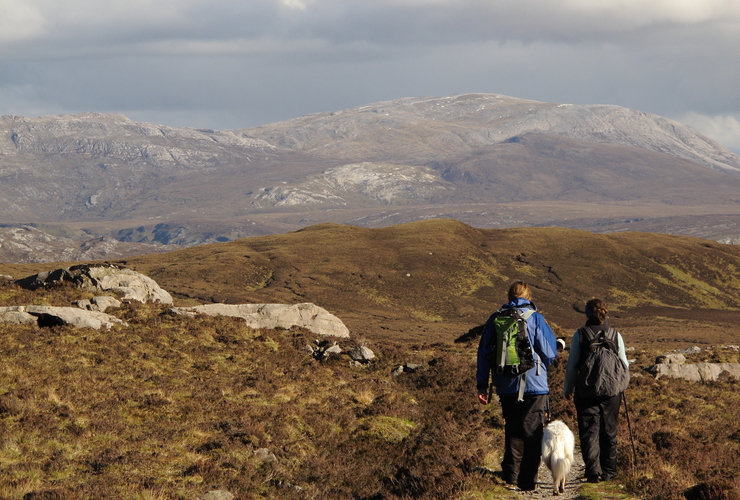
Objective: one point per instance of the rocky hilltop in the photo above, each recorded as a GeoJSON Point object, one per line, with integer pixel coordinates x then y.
{"type": "Point", "coordinates": [427, 129]}
{"type": "Point", "coordinates": [485, 159]}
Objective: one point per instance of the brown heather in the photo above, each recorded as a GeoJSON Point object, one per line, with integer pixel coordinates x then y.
{"type": "Point", "coordinates": [171, 407]}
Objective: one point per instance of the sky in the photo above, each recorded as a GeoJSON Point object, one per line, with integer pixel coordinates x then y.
{"type": "Point", "coordinates": [227, 64]}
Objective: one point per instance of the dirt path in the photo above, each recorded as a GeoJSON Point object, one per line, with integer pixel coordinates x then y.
{"type": "Point", "coordinates": [544, 481]}
{"type": "Point", "coordinates": [572, 485]}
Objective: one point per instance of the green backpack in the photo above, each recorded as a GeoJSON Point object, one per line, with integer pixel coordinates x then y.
{"type": "Point", "coordinates": [513, 354]}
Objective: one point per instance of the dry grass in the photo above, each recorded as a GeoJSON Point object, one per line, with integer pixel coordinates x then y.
{"type": "Point", "coordinates": [171, 407]}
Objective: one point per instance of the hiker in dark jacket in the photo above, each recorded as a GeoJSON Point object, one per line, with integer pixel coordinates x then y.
{"type": "Point", "coordinates": [597, 417]}
{"type": "Point", "coordinates": [524, 420]}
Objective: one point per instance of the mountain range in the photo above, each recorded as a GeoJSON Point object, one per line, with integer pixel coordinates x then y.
{"type": "Point", "coordinates": [103, 181]}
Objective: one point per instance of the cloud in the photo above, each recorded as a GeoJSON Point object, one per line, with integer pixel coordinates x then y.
{"type": "Point", "coordinates": [296, 4]}
{"type": "Point", "coordinates": [109, 23]}
{"type": "Point", "coordinates": [642, 13]}
{"type": "Point", "coordinates": [19, 20]}
{"type": "Point", "coordinates": [724, 129]}
{"type": "Point", "coordinates": [237, 63]}
{"type": "Point", "coordinates": [233, 47]}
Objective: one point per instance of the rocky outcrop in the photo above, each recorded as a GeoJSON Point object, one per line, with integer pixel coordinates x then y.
{"type": "Point", "coordinates": [99, 278]}
{"type": "Point", "coordinates": [270, 316]}
{"type": "Point", "coordinates": [361, 354]}
{"type": "Point", "coordinates": [323, 349]}
{"type": "Point", "coordinates": [216, 495]}
{"type": "Point", "coordinates": [264, 455]}
{"type": "Point", "coordinates": [100, 304]}
{"type": "Point", "coordinates": [18, 315]}
{"type": "Point", "coordinates": [698, 372]}
{"type": "Point", "coordinates": [674, 358]}
{"type": "Point", "coordinates": [26, 243]}
{"type": "Point", "coordinates": [429, 127]}
{"type": "Point", "coordinates": [407, 368]}
{"type": "Point", "coordinates": [57, 316]}
{"type": "Point", "coordinates": [673, 365]}
{"type": "Point", "coordinates": [381, 182]}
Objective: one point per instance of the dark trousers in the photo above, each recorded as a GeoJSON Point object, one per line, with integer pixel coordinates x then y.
{"type": "Point", "coordinates": [523, 428]}
{"type": "Point", "coordinates": [597, 429]}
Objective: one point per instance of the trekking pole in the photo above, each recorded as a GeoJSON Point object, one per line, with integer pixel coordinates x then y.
{"type": "Point", "coordinates": [632, 437]}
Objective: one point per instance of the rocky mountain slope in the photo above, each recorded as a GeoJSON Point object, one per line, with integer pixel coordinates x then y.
{"type": "Point", "coordinates": [424, 129]}
{"type": "Point", "coordinates": [486, 159]}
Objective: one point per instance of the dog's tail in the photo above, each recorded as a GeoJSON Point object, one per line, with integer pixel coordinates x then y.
{"type": "Point", "coordinates": [560, 466]}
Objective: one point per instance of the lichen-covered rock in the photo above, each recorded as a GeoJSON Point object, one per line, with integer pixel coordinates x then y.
{"type": "Point", "coordinates": [265, 455]}
{"type": "Point", "coordinates": [17, 314]}
{"type": "Point", "coordinates": [53, 316]}
{"type": "Point", "coordinates": [100, 304]}
{"type": "Point", "coordinates": [690, 350]}
{"type": "Point", "coordinates": [699, 372]}
{"type": "Point", "coordinates": [269, 316]}
{"type": "Point", "coordinates": [361, 353]}
{"type": "Point", "coordinates": [674, 358]}
{"type": "Point", "coordinates": [99, 278]}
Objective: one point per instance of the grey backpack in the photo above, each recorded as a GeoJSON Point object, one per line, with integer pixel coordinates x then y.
{"type": "Point", "coordinates": [602, 374]}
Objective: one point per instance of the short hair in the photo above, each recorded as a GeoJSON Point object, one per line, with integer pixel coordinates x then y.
{"type": "Point", "coordinates": [596, 308]}
{"type": "Point", "coordinates": [519, 289]}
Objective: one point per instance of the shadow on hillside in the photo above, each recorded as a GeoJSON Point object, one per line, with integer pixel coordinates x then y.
{"type": "Point", "coordinates": [471, 335]}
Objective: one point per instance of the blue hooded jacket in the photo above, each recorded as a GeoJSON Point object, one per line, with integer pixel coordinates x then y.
{"type": "Point", "coordinates": [543, 342]}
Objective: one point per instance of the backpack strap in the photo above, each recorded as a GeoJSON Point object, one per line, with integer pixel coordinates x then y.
{"type": "Point", "coordinates": [588, 334]}
{"type": "Point", "coordinates": [524, 316]}
{"type": "Point", "coordinates": [529, 312]}
{"type": "Point", "coordinates": [611, 334]}
{"type": "Point", "coordinates": [522, 386]}
{"type": "Point", "coordinates": [523, 377]}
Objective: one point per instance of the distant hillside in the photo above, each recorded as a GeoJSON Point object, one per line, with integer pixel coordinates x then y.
{"type": "Point", "coordinates": [437, 279]}
{"type": "Point", "coordinates": [489, 160]}
{"type": "Point", "coordinates": [422, 129]}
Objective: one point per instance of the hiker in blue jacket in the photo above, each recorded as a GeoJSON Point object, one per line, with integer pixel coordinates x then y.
{"type": "Point", "coordinates": [523, 406]}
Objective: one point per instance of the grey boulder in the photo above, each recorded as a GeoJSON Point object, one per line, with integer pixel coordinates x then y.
{"type": "Point", "coordinates": [100, 304]}
{"type": "Point", "coordinates": [270, 316]}
{"type": "Point", "coordinates": [52, 316]}
{"type": "Point", "coordinates": [99, 278]}
{"type": "Point", "coordinates": [699, 372]}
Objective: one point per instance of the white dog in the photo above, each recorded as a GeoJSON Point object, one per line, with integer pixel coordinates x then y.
{"type": "Point", "coordinates": [558, 443]}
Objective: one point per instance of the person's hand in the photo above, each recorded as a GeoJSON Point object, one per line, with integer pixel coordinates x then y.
{"type": "Point", "coordinates": [483, 399]}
